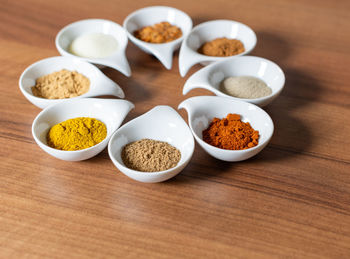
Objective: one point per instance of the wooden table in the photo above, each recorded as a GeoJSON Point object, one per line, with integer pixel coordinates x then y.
{"type": "Point", "coordinates": [290, 201]}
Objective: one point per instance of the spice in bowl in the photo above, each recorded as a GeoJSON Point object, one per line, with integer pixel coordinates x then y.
{"type": "Point", "coordinates": [76, 134]}
{"type": "Point", "coordinates": [231, 133]}
{"type": "Point", "coordinates": [60, 85]}
{"type": "Point", "coordinates": [247, 87]}
{"type": "Point", "coordinates": [148, 155]}
{"type": "Point", "coordinates": [94, 45]}
{"type": "Point", "coordinates": [222, 47]}
{"type": "Point", "coordinates": [158, 33]}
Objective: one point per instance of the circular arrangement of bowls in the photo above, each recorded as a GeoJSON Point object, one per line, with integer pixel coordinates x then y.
{"type": "Point", "coordinates": [161, 123]}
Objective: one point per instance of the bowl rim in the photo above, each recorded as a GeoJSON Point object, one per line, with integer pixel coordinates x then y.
{"type": "Point", "coordinates": [216, 65]}
{"type": "Point", "coordinates": [203, 24]}
{"type": "Point", "coordinates": [49, 59]}
{"type": "Point", "coordinates": [51, 107]}
{"type": "Point", "coordinates": [170, 43]}
{"type": "Point", "coordinates": [121, 47]}
{"type": "Point", "coordinates": [260, 144]}
{"type": "Point", "coordinates": [178, 165]}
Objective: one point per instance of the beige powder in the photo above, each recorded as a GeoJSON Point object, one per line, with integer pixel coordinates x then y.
{"type": "Point", "coordinates": [61, 84]}
{"type": "Point", "coordinates": [247, 87]}
{"type": "Point", "coordinates": [149, 155]}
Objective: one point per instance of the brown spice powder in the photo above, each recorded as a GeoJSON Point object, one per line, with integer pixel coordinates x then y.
{"type": "Point", "coordinates": [222, 47]}
{"type": "Point", "coordinates": [147, 155]}
{"type": "Point", "coordinates": [159, 33]}
{"type": "Point", "coordinates": [60, 85]}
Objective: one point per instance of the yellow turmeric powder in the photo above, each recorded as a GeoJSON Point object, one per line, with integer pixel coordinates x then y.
{"type": "Point", "coordinates": [76, 134]}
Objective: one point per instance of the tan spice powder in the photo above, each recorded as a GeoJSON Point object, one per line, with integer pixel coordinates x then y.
{"type": "Point", "coordinates": [60, 85]}
{"type": "Point", "coordinates": [147, 155]}
{"type": "Point", "coordinates": [222, 47]}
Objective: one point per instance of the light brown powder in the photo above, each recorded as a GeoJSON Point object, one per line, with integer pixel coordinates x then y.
{"type": "Point", "coordinates": [222, 47]}
{"type": "Point", "coordinates": [159, 33]}
{"type": "Point", "coordinates": [60, 85]}
{"type": "Point", "coordinates": [149, 155]}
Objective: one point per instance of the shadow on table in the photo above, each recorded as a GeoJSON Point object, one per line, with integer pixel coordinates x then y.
{"type": "Point", "coordinates": [271, 46]}
{"type": "Point", "coordinates": [302, 86]}
{"type": "Point", "coordinates": [202, 166]}
{"type": "Point", "coordinates": [292, 133]}
{"type": "Point", "coordinates": [130, 86]}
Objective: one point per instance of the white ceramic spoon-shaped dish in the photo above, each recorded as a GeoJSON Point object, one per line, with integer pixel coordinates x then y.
{"type": "Point", "coordinates": [110, 112]}
{"type": "Point", "coordinates": [99, 83]}
{"type": "Point", "coordinates": [117, 60]}
{"type": "Point", "coordinates": [202, 109]}
{"type": "Point", "coordinates": [150, 16]}
{"type": "Point", "coordinates": [210, 77]}
{"type": "Point", "coordinates": [161, 123]}
{"type": "Point", "coordinates": [209, 31]}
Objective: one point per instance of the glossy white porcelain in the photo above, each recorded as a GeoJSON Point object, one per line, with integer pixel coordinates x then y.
{"type": "Point", "coordinates": [117, 60]}
{"type": "Point", "coordinates": [111, 112]}
{"type": "Point", "coordinates": [211, 76]}
{"type": "Point", "coordinates": [99, 83]}
{"type": "Point", "coordinates": [202, 109]}
{"type": "Point", "coordinates": [209, 31]}
{"type": "Point", "coordinates": [150, 16]}
{"type": "Point", "coordinates": [161, 123]}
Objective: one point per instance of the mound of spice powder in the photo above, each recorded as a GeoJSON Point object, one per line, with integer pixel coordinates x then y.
{"type": "Point", "coordinates": [76, 134]}
{"type": "Point", "coordinates": [222, 47]}
{"type": "Point", "coordinates": [148, 155]}
{"type": "Point", "coordinates": [159, 33]}
{"type": "Point", "coordinates": [60, 85]}
{"type": "Point", "coordinates": [231, 133]}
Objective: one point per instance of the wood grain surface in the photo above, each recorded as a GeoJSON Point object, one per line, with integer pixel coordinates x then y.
{"type": "Point", "coordinates": [290, 201]}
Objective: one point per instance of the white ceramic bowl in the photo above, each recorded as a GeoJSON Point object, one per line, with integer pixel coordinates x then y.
{"type": "Point", "coordinates": [161, 123]}
{"type": "Point", "coordinates": [99, 83]}
{"type": "Point", "coordinates": [209, 31]}
{"type": "Point", "coordinates": [202, 109]}
{"type": "Point", "coordinates": [111, 112]}
{"type": "Point", "coordinates": [117, 60]}
{"type": "Point", "coordinates": [150, 16]}
{"type": "Point", "coordinates": [211, 76]}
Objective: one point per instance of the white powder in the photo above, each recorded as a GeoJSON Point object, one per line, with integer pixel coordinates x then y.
{"type": "Point", "coordinates": [247, 87]}
{"type": "Point", "coordinates": [94, 45]}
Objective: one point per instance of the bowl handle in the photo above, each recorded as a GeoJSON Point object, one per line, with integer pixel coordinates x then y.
{"type": "Point", "coordinates": [187, 59]}
{"type": "Point", "coordinates": [106, 86]}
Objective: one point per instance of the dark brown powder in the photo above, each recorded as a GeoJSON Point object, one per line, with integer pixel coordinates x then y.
{"type": "Point", "coordinates": [149, 155]}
